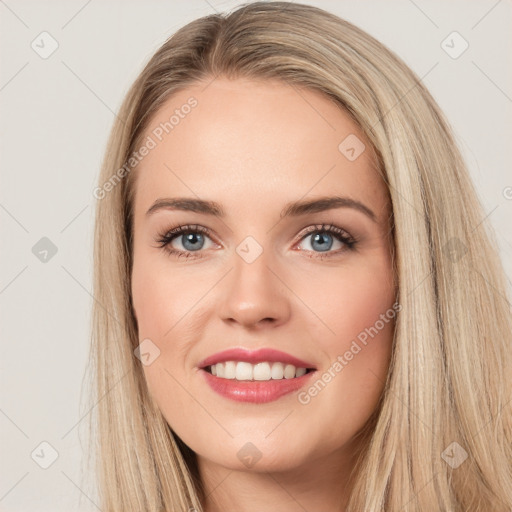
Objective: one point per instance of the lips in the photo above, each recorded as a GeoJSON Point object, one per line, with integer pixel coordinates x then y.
{"type": "Point", "coordinates": [255, 356]}
{"type": "Point", "coordinates": [255, 391]}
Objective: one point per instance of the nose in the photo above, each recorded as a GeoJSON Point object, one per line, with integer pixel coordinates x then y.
{"type": "Point", "coordinates": [254, 294]}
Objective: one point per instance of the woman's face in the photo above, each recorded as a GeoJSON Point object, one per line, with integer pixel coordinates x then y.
{"type": "Point", "coordinates": [268, 275]}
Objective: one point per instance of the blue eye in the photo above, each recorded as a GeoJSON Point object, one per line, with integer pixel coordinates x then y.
{"type": "Point", "coordinates": [193, 239]}
{"type": "Point", "coordinates": [322, 236]}
{"type": "Point", "coordinates": [324, 239]}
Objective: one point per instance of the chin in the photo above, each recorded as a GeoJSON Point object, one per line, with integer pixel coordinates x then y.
{"type": "Point", "coordinates": [259, 456]}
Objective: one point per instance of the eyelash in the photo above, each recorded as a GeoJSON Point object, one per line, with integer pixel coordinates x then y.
{"type": "Point", "coordinates": [164, 239]}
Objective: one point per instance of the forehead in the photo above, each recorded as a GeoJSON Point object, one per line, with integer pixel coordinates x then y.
{"type": "Point", "coordinates": [247, 143]}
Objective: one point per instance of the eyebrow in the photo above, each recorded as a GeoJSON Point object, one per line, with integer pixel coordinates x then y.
{"type": "Point", "coordinates": [293, 209]}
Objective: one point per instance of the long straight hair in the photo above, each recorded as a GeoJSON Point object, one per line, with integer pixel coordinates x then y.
{"type": "Point", "coordinates": [442, 438]}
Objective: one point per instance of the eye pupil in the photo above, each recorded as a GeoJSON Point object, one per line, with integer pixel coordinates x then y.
{"type": "Point", "coordinates": [320, 238]}
{"type": "Point", "coordinates": [192, 238]}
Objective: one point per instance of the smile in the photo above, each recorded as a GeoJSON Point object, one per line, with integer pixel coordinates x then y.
{"type": "Point", "coordinates": [243, 371]}
{"type": "Point", "coordinates": [259, 376]}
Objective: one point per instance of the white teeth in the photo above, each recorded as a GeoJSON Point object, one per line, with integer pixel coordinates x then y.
{"type": "Point", "coordinates": [229, 370]}
{"type": "Point", "coordinates": [277, 371]}
{"type": "Point", "coordinates": [242, 370]}
{"type": "Point", "coordinates": [261, 371]}
{"type": "Point", "coordinates": [289, 371]}
{"type": "Point", "coordinates": [300, 372]}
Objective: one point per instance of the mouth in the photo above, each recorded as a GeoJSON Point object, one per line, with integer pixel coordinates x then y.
{"type": "Point", "coordinates": [258, 376]}
{"type": "Point", "coordinates": [263, 371]}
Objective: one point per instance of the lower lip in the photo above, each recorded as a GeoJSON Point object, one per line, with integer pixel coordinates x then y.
{"type": "Point", "coordinates": [258, 391]}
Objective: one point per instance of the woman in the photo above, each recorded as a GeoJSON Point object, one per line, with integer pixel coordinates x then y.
{"type": "Point", "coordinates": [240, 368]}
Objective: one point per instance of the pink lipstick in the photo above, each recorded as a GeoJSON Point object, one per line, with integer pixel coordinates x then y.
{"type": "Point", "coordinates": [257, 376]}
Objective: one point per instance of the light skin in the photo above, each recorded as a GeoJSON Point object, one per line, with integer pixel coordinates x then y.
{"type": "Point", "coordinates": [253, 147]}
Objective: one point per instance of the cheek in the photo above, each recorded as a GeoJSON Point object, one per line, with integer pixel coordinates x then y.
{"type": "Point", "coordinates": [357, 347]}
{"type": "Point", "coordinates": [347, 393]}
{"type": "Point", "coordinates": [160, 297]}
{"type": "Point", "coordinates": [167, 314]}
{"type": "Point", "coordinates": [350, 300]}
{"type": "Point", "coordinates": [359, 308]}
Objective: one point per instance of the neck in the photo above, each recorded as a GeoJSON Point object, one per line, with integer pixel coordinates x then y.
{"type": "Point", "coordinates": [323, 483]}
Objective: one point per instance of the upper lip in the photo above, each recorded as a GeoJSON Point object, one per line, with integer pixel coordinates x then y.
{"type": "Point", "coordinates": [254, 356]}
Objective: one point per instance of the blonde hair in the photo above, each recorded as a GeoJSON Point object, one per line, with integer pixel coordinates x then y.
{"type": "Point", "coordinates": [449, 378]}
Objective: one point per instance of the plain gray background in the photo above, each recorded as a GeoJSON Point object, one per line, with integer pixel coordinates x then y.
{"type": "Point", "coordinates": [56, 114]}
